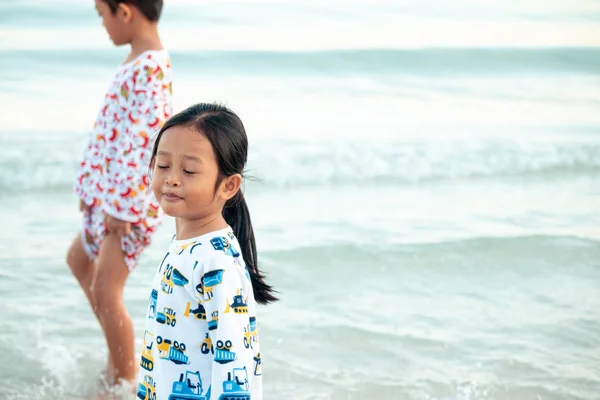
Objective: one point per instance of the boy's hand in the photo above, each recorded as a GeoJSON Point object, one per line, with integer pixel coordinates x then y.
{"type": "Point", "coordinates": [84, 207]}
{"type": "Point", "coordinates": [116, 226]}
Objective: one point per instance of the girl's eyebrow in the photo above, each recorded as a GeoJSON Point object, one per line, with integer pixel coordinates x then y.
{"type": "Point", "coordinates": [193, 158]}
{"type": "Point", "coordinates": [189, 157]}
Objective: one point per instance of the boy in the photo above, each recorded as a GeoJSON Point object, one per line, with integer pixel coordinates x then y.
{"type": "Point", "coordinates": [119, 212]}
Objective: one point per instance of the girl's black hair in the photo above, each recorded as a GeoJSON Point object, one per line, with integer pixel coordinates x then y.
{"type": "Point", "coordinates": [225, 132]}
{"type": "Point", "coordinates": [151, 9]}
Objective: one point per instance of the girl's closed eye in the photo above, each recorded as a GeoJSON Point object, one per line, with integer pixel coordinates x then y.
{"type": "Point", "coordinates": [162, 166]}
{"type": "Point", "coordinates": [189, 172]}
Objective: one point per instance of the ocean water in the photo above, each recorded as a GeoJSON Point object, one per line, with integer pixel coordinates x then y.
{"type": "Point", "coordinates": [426, 199]}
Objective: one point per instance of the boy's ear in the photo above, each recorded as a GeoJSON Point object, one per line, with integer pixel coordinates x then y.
{"type": "Point", "coordinates": [230, 186]}
{"type": "Point", "coordinates": [125, 12]}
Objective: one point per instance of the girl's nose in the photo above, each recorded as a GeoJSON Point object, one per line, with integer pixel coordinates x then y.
{"type": "Point", "coordinates": [173, 180]}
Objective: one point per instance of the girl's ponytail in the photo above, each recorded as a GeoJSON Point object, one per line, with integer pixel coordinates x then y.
{"type": "Point", "coordinates": [237, 215]}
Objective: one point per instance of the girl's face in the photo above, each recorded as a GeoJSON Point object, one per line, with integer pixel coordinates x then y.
{"type": "Point", "coordinates": [116, 24]}
{"type": "Point", "coordinates": [185, 173]}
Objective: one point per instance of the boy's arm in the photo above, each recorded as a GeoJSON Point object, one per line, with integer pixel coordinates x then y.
{"type": "Point", "coordinates": [145, 105]}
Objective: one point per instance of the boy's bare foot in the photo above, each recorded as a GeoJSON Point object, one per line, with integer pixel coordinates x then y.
{"type": "Point", "coordinates": [110, 374]}
{"type": "Point", "coordinates": [121, 390]}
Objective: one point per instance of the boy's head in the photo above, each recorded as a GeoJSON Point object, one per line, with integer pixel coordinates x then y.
{"type": "Point", "coordinates": [122, 19]}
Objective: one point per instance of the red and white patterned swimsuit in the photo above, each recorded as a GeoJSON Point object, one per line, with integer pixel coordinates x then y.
{"type": "Point", "coordinates": [113, 177]}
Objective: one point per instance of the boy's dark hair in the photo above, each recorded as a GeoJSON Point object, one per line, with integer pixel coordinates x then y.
{"type": "Point", "coordinates": [227, 136]}
{"type": "Point", "coordinates": [150, 8]}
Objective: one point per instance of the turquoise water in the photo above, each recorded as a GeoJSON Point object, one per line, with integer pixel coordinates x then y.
{"type": "Point", "coordinates": [426, 195]}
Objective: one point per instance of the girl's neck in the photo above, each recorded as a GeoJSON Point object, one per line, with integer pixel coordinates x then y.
{"type": "Point", "coordinates": [189, 228]}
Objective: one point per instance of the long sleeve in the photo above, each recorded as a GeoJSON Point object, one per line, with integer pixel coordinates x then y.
{"type": "Point", "coordinates": [144, 106]}
{"type": "Point", "coordinates": [225, 302]}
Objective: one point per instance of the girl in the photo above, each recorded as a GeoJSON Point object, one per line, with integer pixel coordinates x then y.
{"type": "Point", "coordinates": [201, 334]}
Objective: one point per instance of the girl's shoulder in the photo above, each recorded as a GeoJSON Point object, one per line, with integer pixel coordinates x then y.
{"type": "Point", "coordinates": [207, 246]}
{"type": "Point", "coordinates": [207, 258]}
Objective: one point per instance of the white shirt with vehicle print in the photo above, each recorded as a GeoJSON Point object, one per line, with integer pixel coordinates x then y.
{"type": "Point", "coordinates": [201, 337]}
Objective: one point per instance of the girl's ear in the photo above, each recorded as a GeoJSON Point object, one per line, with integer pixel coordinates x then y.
{"type": "Point", "coordinates": [230, 186]}
{"type": "Point", "coordinates": [125, 12]}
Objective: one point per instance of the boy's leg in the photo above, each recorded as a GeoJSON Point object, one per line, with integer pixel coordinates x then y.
{"type": "Point", "coordinates": [84, 271]}
{"type": "Point", "coordinates": [82, 268]}
{"type": "Point", "coordinates": [107, 288]}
